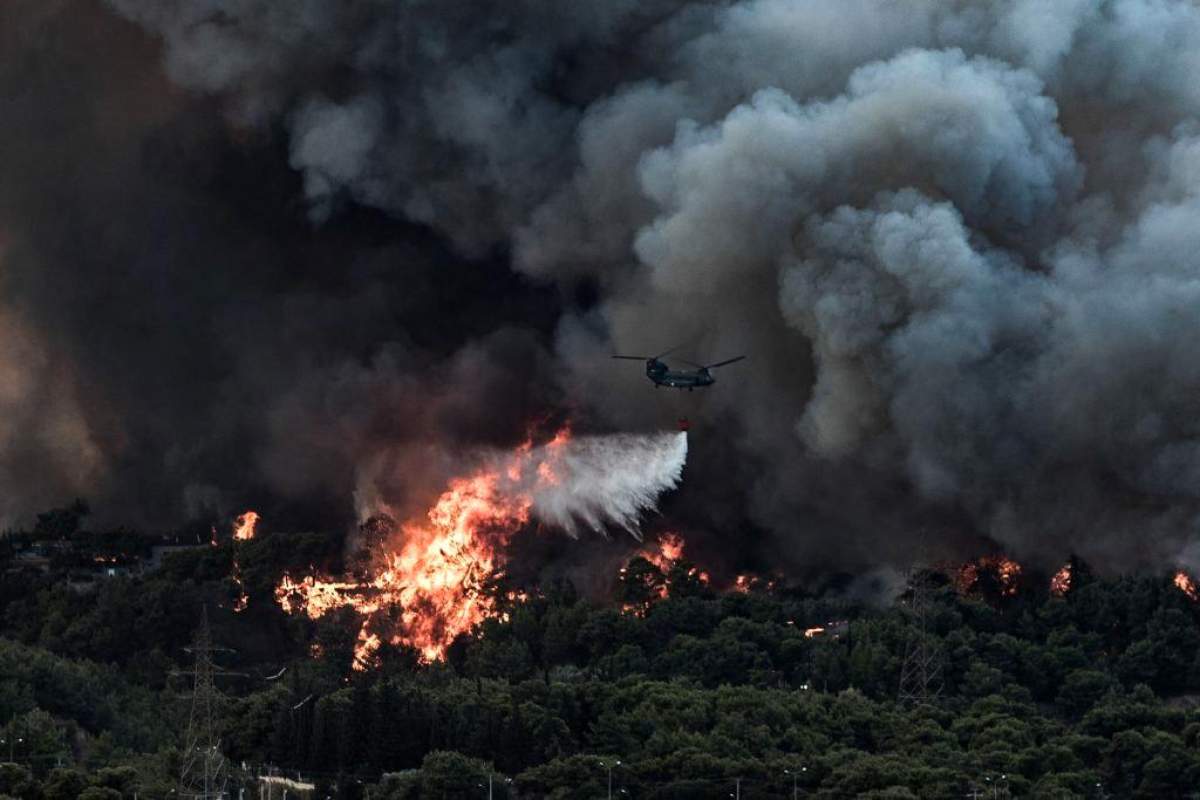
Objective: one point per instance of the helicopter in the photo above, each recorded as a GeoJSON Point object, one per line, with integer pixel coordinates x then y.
{"type": "Point", "coordinates": [690, 379]}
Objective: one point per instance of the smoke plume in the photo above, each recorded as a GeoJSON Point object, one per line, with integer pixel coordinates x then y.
{"type": "Point", "coordinates": [265, 248]}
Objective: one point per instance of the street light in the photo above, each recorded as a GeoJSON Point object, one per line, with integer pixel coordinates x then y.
{"type": "Point", "coordinates": [995, 787]}
{"type": "Point", "coordinates": [609, 767]}
{"type": "Point", "coordinates": [795, 779]}
{"type": "Point", "coordinates": [480, 785]}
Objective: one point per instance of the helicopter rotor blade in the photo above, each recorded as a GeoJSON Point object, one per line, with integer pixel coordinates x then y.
{"type": "Point", "coordinates": [690, 363]}
{"type": "Point", "coordinates": [723, 363]}
{"type": "Point", "coordinates": [634, 358]}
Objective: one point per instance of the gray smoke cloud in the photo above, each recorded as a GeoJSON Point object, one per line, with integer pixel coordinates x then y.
{"type": "Point", "coordinates": [956, 239]}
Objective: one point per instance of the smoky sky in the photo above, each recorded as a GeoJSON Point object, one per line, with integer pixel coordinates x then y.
{"type": "Point", "coordinates": [249, 246]}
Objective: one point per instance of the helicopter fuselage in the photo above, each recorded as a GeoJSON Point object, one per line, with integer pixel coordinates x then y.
{"type": "Point", "coordinates": [661, 375]}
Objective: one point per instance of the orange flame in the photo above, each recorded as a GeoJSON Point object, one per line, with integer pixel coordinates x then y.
{"type": "Point", "coordinates": [746, 583]}
{"type": "Point", "coordinates": [1185, 584]}
{"type": "Point", "coordinates": [438, 577]}
{"type": "Point", "coordinates": [1006, 571]}
{"type": "Point", "coordinates": [669, 550]}
{"type": "Point", "coordinates": [664, 554]}
{"type": "Point", "coordinates": [244, 525]}
{"type": "Point", "coordinates": [1060, 584]}
{"type": "Point", "coordinates": [242, 601]}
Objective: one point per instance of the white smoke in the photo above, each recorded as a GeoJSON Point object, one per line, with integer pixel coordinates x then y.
{"type": "Point", "coordinates": [602, 481]}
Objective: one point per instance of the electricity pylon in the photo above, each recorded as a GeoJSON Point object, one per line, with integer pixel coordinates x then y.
{"type": "Point", "coordinates": [205, 772]}
{"type": "Point", "coordinates": [921, 672]}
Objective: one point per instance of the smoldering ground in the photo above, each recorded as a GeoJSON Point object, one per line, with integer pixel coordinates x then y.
{"type": "Point", "coordinates": [956, 238]}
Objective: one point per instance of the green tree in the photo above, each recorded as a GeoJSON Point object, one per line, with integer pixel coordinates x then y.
{"type": "Point", "coordinates": [64, 784]}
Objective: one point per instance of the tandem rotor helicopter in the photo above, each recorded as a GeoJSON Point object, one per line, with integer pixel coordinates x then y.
{"type": "Point", "coordinates": [690, 379]}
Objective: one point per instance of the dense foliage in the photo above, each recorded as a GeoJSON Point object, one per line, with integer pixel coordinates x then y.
{"type": "Point", "coordinates": [701, 694]}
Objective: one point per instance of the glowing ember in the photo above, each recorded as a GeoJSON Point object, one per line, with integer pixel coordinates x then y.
{"type": "Point", "coordinates": [241, 603]}
{"type": "Point", "coordinates": [1185, 584]}
{"type": "Point", "coordinates": [243, 526]}
{"type": "Point", "coordinates": [1060, 584]}
{"type": "Point", "coordinates": [744, 584]}
{"type": "Point", "coordinates": [438, 577]}
{"type": "Point", "coordinates": [833, 629]}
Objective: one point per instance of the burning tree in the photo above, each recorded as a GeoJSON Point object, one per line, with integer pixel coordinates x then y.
{"type": "Point", "coordinates": [995, 577]}
{"type": "Point", "coordinates": [431, 579]}
{"type": "Point", "coordinates": [657, 571]}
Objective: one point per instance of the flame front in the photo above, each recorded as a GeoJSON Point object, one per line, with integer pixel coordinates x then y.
{"type": "Point", "coordinates": [244, 525]}
{"type": "Point", "coordinates": [437, 578]}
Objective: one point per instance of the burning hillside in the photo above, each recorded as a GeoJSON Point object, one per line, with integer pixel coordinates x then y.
{"type": "Point", "coordinates": [989, 575]}
{"type": "Point", "coordinates": [431, 579]}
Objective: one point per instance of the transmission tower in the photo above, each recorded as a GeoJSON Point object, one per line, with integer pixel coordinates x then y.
{"type": "Point", "coordinates": [205, 772]}
{"type": "Point", "coordinates": [921, 672]}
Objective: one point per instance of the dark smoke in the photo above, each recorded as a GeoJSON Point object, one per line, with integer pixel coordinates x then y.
{"type": "Point", "coordinates": [180, 341]}
{"type": "Point", "coordinates": [252, 245]}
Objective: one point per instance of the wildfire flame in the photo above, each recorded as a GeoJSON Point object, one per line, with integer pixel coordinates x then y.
{"type": "Point", "coordinates": [438, 577]}
{"type": "Point", "coordinates": [1006, 571]}
{"type": "Point", "coordinates": [1185, 584]}
{"type": "Point", "coordinates": [664, 554]}
{"type": "Point", "coordinates": [1060, 584]}
{"type": "Point", "coordinates": [244, 525]}
{"type": "Point", "coordinates": [746, 583]}
{"type": "Point", "coordinates": [242, 601]}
